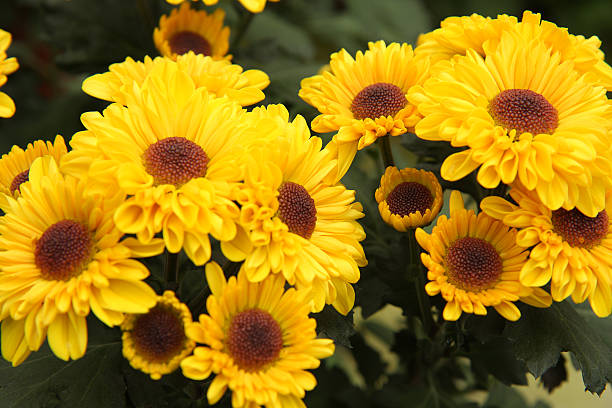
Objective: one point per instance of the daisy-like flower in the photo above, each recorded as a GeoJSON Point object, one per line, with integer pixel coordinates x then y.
{"type": "Point", "coordinates": [570, 250]}
{"type": "Point", "coordinates": [176, 151]}
{"type": "Point", "coordinates": [258, 340]}
{"type": "Point", "coordinates": [155, 342]}
{"type": "Point", "coordinates": [408, 198]}
{"type": "Point", "coordinates": [187, 30]}
{"type": "Point", "coordinates": [7, 66]}
{"type": "Point", "coordinates": [254, 6]}
{"type": "Point", "coordinates": [61, 257]}
{"type": "Point", "coordinates": [365, 98]}
{"type": "Point", "coordinates": [474, 262]}
{"type": "Point", "coordinates": [294, 218]}
{"type": "Point", "coordinates": [537, 123]}
{"type": "Point", "coordinates": [219, 77]}
{"type": "Point", "coordinates": [458, 34]}
{"type": "Point", "coordinates": [15, 166]}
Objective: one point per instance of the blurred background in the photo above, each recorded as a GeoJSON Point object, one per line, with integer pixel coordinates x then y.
{"type": "Point", "coordinates": [61, 42]}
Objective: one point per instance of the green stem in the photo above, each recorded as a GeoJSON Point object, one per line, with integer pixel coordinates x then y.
{"type": "Point", "coordinates": [385, 151]}
{"type": "Point", "coordinates": [171, 268]}
{"type": "Point", "coordinates": [245, 22]}
{"type": "Point", "coordinates": [419, 282]}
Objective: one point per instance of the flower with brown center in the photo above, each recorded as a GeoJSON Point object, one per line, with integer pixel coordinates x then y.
{"type": "Point", "coordinates": [7, 67]}
{"type": "Point", "coordinates": [186, 29]}
{"type": "Point", "coordinates": [295, 218]}
{"type": "Point", "coordinates": [408, 198]}
{"type": "Point", "coordinates": [15, 165]}
{"type": "Point", "coordinates": [365, 98]}
{"type": "Point", "coordinates": [257, 339]}
{"type": "Point", "coordinates": [473, 261]}
{"type": "Point", "coordinates": [62, 257]}
{"type": "Point", "coordinates": [155, 342]}
{"type": "Point", "coordinates": [570, 249]}
{"type": "Point", "coordinates": [538, 122]}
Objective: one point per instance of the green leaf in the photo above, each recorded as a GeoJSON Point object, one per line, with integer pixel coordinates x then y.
{"type": "Point", "coordinates": [368, 360]}
{"type": "Point", "coordinates": [540, 335]}
{"type": "Point", "coordinates": [502, 396]}
{"type": "Point", "coordinates": [92, 381]}
{"type": "Point", "coordinates": [335, 326]}
{"type": "Point", "coordinates": [495, 357]}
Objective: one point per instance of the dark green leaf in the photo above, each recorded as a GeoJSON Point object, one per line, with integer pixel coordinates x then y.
{"type": "Point", "coordinates": [335, 326]}
{"type": "Point", "coordinates": [496, 357]}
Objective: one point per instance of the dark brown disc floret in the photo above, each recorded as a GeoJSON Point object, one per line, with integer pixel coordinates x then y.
{"type": "Point", "coordinates": [380, 99]}
{"type": "Point", "coordinates": [175, 160]}
{"type": "Point", "coordinates": [254, 340]}
{"type": "Point", "coordinates": [296, 208]}
{"type": "Point", "coordinates": [19, 179]}
{"type": "Point", "coordinates": [159, 334]}
{"type": "Point", "coordinates": [409, 197]}
{"type": "Point", "coordinates": [473, 264]}
{"type": "Point", "coordinates": [577, 229]}
{"type": "Point", "coordinates": [525, 111]}
{"type": "Point", "coordinates": [185, 41]}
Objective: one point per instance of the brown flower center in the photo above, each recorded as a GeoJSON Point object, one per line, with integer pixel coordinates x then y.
{"type": "Point", "coordinates": [159, 334]}
{"type": "Point", "coordinates": [473, 264]}
{"type": "Point", "coordinates": [254, 340]}
{"type": "Point", "coordinates": [409, 197]}
{"type": "Point", "coordinates": [381, 99]}
{"type": "Point", "coordinates": [577, 229]}
{"type": "Point", "coordinates": [297, 209]}
{"type": "Point", "coordinates": [63, 250]}
{"type": "Point", "coordinates": [19, 179]}
{"type": "Point", "coordinates": [175, 160]}
{"type": "Point", "coordinates": [185, 41]}
{"type": "Point", "coordinates": [525, 111]}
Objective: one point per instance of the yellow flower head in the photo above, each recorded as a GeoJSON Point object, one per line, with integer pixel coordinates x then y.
{"type": "Point", "coordinates": [295, 218]}
{"type": "Point", "coordinates": [15, 166]}
{"type": "Point", "coordinates": [7, 66]}
{"type": "Point", "coordinates": [219, 77]}
{"type": "Point", "coordinates": [365, 98]}
{"type": "Point", "coordinates": [258, 340]}
{"type": "Point", "coordinates": [176, 151]}
{"type": "Point", "coordinates": [474, 262]}
{"type": "Point", "coordinates": [155, 342]}
{"type": "Point", "coordinates": [408, 198]}
{"type": "Point", "coordinates": [456, 35]}
{"type": "Point", "coordinates": [61, 257]}
{"type": "Point", "coordinates": [187, 30]}
{"type": "Point", "coordinates": [570, 250]}
{"type": "Point", "coordinates": [254, 6]}
{"type": "Point", "coordinates": [537, 123]}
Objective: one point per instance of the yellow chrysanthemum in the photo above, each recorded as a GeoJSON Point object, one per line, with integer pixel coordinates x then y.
{"type": "Point", "coordinates": [408, 198]}
{"type": "Point", "coordinates": [254, 6]}
{"type": "Point", "coordinates": [458, 34]}
{"type": "Point", "coordinates": [7, 66]}
{"type": "Point", "coordinates": [155, 342]}
{"type": "Point", "coordinates": [187, 30]}
{"type": "Point", "coordinates": [15, 165]}
{"type": "Point", "coordinates": [177, 152]}
{"type": "Point", "coordinates": [295, 219]}
{"type": "Point", "coordinates": [365, 98]}
{"type": "Point", "coordinates": [474, 262]}
{"type": "Point", "coordinates": [258, 340]}
{"type": "Point", "coordinates": [570, 250]}
{"type": "Point", "coordinates": [219, 77]}
{"type": "Point", "coordinates": [61, 257]}
{"type": "Point", "coordinates": [536, 122]}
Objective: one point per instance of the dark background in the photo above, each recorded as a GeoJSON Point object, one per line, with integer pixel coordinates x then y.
{"type": "Point", "coordinates": [61, 42]}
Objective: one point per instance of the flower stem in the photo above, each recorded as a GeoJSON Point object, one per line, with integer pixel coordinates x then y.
{"type": "Point", "coordinates": [419, 282]}
{"type": "Point", "coordinates": [385, 151]}
{"type": "Point", "coordinates": [171, 268]}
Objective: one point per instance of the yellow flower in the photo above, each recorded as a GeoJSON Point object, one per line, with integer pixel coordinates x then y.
{"type": "Point", "coordinates": [254, 6]}
{"type": "Point", "coordinates": [570, 250]}
{"type": "Point", "coordinates": [458, 34]}
{"type": "Point", "coordinates": [61, 257]}
{"type": "Point", "coordinates": [258, 340]}
{"type": "Point", "coordinates": [15, 165]}
{"type": "Point", "coordinates": [295, 219]}
{"type": "Point", "coordinates": [219, 77]}
{"type": "Point", "coordinates": [365, 98]}
{"type": "Point", "coordinates": [155, 342]}
{"type": "Point", "coordinates": [187, 30]}
{"type": "Point", "coordinates": [176, 151]}
{"type": "Point", "coordinates": [408, 198]}
{"type": "Point", "coordinates": [537, 123]}
{"type": "Point", "coordinates": [474, 262]}
{"type": "Point", "coordinates": [7, 66]}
